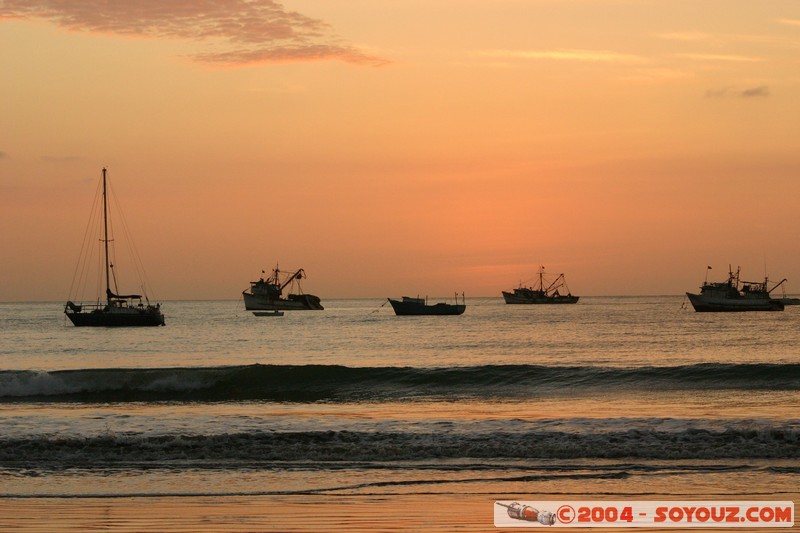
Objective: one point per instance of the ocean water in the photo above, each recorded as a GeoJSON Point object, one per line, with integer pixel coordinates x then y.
{"type": "Point", "coordinates": [631, 397]}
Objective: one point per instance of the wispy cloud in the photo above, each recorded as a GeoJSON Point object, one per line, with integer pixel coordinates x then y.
{"type": "Point", "coordinates": [718, 40]}
{"type": "Point", "coordinates": [566, 54]}
{"type": "Point", "coordinates": [689, 36]}
{"type": "Point", "coordinates": [761, 91]}
{"type": "Point", "coordinates": [655, 74]}
{"type": "Point", "coordinates": [756, 92]}
{"type": "Point", "coordinates": [236, 31]}
{"type": "Point", "coordinates": [60, 158]}
{"type": "Point", "coordinates": [718, 57]}
{"type": "Point", "coordinates": [790, 22]}
{"type": "Point", "coordinates": [302, 52]}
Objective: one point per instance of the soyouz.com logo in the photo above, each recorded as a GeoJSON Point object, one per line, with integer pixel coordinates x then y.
{"type": "Point", "coordinates": [643, 514]}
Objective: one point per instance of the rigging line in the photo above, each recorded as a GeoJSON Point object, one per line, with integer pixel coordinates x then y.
{"type": "Point", "coordinates": [112, 258]}
{"type": "Point", "coordinates": [92, 263]}
{"type": "Point", "coordinates": [78, 273]}
{"type": "Point", "coordinates": [138, 264]}
{"type": "Point", "coordinates": [381, 307]}
{"type": "Point", "coordinates": [80, 282]}
{"type": "Point", "coordinates": [99, 271]}
{"type": "Point", "coordinates": [127, 238]}
{"type": "Point", "coordinates": [86, 260]}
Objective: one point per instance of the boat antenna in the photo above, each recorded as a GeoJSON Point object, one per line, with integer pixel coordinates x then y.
{"type": "Point", "coordinates": [705, 281]}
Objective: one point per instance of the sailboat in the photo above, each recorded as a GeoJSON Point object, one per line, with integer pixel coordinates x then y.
{"type": "Point", "coordinates": [119, 310]}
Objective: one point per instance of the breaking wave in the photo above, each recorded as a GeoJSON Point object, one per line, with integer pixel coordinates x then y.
{"type": "Point", "coordinates": [255, 448]}
{"type": "Point", "coordinates": [306, 383]}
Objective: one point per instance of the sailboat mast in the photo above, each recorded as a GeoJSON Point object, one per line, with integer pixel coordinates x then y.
{"type": "Point", "coordinates": [105, 238]}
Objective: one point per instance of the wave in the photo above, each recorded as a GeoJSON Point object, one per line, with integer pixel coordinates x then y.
{"type": "Point", "coordinates": [251, 449]}
{"type": "Point", "coordinates": [307, 383]}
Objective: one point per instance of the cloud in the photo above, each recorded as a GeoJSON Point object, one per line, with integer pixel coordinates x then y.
{"type": "Point", "coordinates": [718, 40]}
{"type": "Point", "coordinates": [761, 91]}
{"type": "Point", "coordinates": [60, 158]}
{"type": "Point", "coordinates": [718, 57]}
{"type": "Point", "coordinates": [655, 74]}
{"type": "Point", "coordinates": [237, 31]}
{"type": "Point", "coordinates": [3, 155]}
{"type": "Point", "coordinates": [755, 92]}
{"type": "Point", "coordinates": [790, 22]}
{"type": "Point", "coordinates": [310, 52]}
{"type": "Point", "coordinates": [689, 36]}
{"type": "Point", "coordinates": [601, 56]}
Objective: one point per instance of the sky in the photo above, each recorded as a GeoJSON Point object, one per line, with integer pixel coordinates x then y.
{"type": "Point", "coordinates": [403, 147]}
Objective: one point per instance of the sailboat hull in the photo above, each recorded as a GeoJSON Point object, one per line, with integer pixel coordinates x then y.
{"type": "Point", "coordinates": [129, 317]}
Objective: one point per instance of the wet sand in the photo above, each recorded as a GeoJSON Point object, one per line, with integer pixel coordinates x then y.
{"type": "Point", "coordinates": [248, 513]}
{"type": "Point", "coordinates": [357, 513]}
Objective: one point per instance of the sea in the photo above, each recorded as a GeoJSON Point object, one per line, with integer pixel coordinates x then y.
{"type": "Point", "coordinates": [354, 419]}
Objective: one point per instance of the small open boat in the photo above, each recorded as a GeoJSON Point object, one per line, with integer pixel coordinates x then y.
{"type": "Point", "coordinates": [419, 306]}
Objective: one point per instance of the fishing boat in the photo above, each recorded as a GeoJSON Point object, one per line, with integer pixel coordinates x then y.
{"type": "Point", "coordinates": [544, 291]}
{"type": "Point", "coordinates": [734, 295]}
{"type": "Point", "coordinates": [267, 294]}
{"type": "Point", "coordinates": [118, 310]}
{"type": "Point", "coordinates": [419, 306]}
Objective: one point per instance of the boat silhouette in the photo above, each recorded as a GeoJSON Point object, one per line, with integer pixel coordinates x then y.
{"type": "Point", "coordinates": [119, 310]}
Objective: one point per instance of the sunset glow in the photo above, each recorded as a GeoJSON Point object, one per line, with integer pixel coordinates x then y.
{"type": "Point", "coordinates": [409, 147]}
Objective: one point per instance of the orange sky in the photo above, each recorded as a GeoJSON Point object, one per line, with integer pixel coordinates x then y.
{"type": "Point", "coordinates": [415, 147]}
